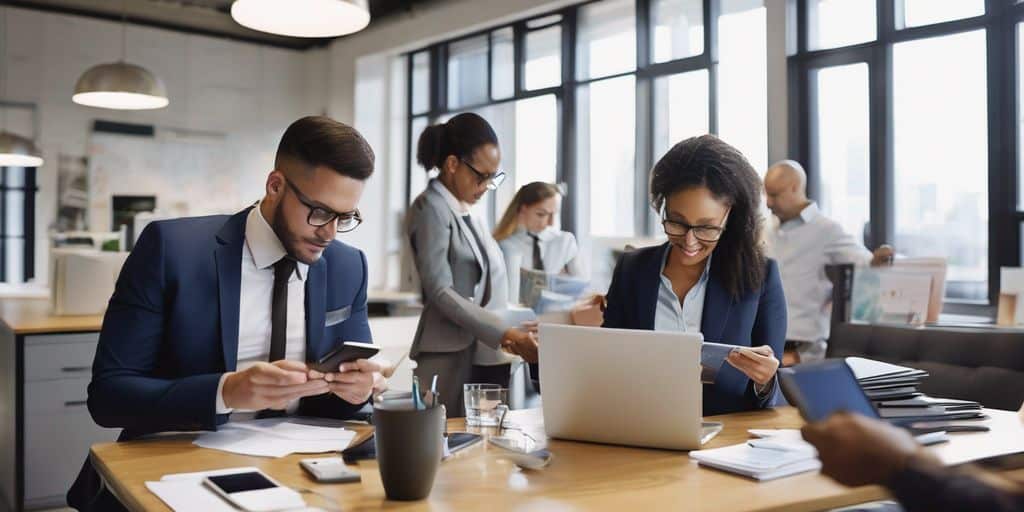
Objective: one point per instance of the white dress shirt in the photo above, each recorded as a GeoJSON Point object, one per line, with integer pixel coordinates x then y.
{"type": "Point", "coordinates": [262, 250]}
{"type": "Point", "coordinates": [558, 251]}
{"type": "Point", "coordinates": [669, 315]}
{"type": "Point", "coordinates": [802, 247]}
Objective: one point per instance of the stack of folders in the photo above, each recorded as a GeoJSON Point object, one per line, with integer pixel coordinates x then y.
{"type": "Point", "coordinates": [894, 391]}
{"type": "Point", "coordinates": [762, 459]}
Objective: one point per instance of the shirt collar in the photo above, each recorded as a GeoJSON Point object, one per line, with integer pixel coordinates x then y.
{"type": "Point", "coordinates": [264, 246]}
{"type": "Point", "coordinates": [458, 207]}
{"type": "Point", "coordinates": [807, 215]}
{"type": "Point", "coordinates": [547, 234]}
{"type": "Point", "coordinates": [810, 212]}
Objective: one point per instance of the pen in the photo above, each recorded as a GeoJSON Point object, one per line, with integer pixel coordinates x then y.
{"type": "Point", "coordinates": [416, 403]}
{"type": "Point", "coordinates": [433, 384]}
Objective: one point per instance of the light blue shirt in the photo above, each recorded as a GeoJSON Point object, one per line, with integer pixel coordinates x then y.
{"type": "Point", "coordinates": [670, 315]}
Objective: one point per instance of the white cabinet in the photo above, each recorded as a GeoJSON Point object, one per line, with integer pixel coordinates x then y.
{"type": "Point", "coordinates": [53, 422]}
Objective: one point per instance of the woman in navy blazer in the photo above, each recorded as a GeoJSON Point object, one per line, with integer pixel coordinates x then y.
{"type": "Point", "coordinates": [711, 276]}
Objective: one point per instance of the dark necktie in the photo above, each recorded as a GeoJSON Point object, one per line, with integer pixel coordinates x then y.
{"type": "Point", "coordinates": [538, 262]}
{"type": "Point", "coordinates": [485, 265]}
{"type": "Point", "coordinates": [283, 270]}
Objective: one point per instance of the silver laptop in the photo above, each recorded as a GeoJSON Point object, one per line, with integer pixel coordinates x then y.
{"type": "Point", "coordinates": [619, 386]}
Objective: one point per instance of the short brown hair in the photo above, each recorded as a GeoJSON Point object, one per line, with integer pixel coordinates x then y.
{"type": "Point", "coordinates": [320, 140]}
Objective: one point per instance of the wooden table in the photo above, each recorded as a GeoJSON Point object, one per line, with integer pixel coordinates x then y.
{"type": "Point", "coordinates": [582, 475]}
{"type": "Point", "coordinates": [34, 316]}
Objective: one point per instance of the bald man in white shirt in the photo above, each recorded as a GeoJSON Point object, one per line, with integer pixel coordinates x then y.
{"type": "Point", "coordinates": [803, 242]}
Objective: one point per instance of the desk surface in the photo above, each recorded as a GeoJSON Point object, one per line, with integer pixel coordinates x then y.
{"type": "Point", "coordinates": [35, 316]}
{"type": "Point", "coordinates": [582, 476]}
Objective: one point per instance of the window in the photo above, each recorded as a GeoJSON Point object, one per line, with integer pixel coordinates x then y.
{"type": "Point", "coordinates": [543, 58]}
{"type": "Point", "coordinates": [841, 155]}
{"type": "Point", "coordinates": [502, 64]}
{"type": "Point", "coordinates": [680, 109]}
{"type": "Point", "coordinates": [927, 12]}
{"type": "Point", "coordinates": [743, 79]}
{"type": "Point", "coordinates": [417, 175]}
{"type": "Point", "coordinates": [1020, 115]}
{"type": "Point", "coordinates": [598, 115]}
{"type": "Point", "coordinates": [536, 141]}
{"type": "Point", "coordinates": [606, 130]}
{"type": "Point", "coordinates": [467, 72]}
{"type": "Point", "coordinates": [17, 224]}
{"type": "Point", "coordinates": [939, 212]}
{"type": "Point", "coordinates": [606, 39]}
{"type": "Point", "coordinates": [835, 23]}
{"type": "Point", "coordinates": [905, 128]}
{"type": "Point", "coordinates": [677, 29]}
{"type": "Point", "coordinates": [420, 82]}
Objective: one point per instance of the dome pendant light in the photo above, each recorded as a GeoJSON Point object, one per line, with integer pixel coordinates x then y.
{"type": "Point", "coordinates": [15, 150]}
{"type": "Point", "coordinates": [120, 85]}
{"type": "Point", "coordinates": [302, 18]}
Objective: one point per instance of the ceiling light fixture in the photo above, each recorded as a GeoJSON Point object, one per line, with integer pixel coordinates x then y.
{"type": "Point", "coordinates": [303, 18]}
{"type": "Point", "coordinates": [120, 85]}
{"type": "Point", "coordinates": [15, 150]}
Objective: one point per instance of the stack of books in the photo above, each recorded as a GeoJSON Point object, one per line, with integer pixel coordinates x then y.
{"type": "Point", "coordinates": [762, 459]}
{"type": "Point", "coordinates": [894, 389]}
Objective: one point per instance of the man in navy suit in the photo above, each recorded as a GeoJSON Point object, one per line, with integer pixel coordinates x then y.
{"type": "Point", "coordinates": [215, 318]}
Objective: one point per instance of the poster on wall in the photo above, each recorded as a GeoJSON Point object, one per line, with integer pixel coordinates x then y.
{"type": "Point", "coordinates": [72, 193]}
{"type": "Point", "coordinates": [172, 175]}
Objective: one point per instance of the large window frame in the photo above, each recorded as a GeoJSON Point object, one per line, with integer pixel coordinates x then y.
{"type": "Point", "coordinates": [27, 189]}
{"type": "Point", "coordinates": [999, 22]}
{"type": "Point", "coordinates": [565, 93]}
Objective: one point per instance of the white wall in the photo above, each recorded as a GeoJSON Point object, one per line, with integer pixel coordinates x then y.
{"type": "Point", "coordinates": [247, 93]}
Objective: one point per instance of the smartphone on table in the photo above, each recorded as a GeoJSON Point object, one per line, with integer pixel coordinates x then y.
{"type": "Point", "coordinates": [254, 491]}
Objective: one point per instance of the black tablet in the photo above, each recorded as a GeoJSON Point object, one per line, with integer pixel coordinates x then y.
{"type": "Point", "coordinates": [822, 388]}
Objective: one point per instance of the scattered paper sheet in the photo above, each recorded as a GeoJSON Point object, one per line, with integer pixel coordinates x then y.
{"type": "Point", "coordinates": [185, 492]}
{"type": "Point", "coordinates": [275, 437]}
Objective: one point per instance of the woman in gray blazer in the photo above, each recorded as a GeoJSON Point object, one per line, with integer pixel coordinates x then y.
{"type": "Point", "coordinates": [461, 270]}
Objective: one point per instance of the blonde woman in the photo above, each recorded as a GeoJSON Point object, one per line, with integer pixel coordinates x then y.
{"type": "Point", "coordinates": [528, 236]}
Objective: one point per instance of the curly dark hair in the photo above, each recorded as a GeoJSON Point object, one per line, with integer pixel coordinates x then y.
{"type": "Point", "coordinates": [709, 162]}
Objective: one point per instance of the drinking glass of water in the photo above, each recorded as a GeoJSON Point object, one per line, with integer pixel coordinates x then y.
{"type": "Point", "coordinates": [482, 404]}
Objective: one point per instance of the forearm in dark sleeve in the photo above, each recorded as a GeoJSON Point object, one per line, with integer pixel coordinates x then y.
{"type": "Point", "coordinates": [925, 486]}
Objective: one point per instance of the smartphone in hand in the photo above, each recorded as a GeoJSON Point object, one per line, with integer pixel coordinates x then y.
{"type": "Point", "coordinates": [347, 352]}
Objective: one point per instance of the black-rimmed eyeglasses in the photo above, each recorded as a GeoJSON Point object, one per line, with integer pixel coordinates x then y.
{"type": "Point", "coordinates": [320, 217]}
{"type": "Point", "coordinates": [493, 180]}
{"type": "Point", "coordinates": [704, 232]}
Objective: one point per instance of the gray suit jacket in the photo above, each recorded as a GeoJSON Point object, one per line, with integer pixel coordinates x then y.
{"type": "Point", "coordinates": [448, 264]}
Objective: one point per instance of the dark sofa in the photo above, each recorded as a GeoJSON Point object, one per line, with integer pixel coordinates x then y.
{"type": "Point", "coordinates": [985, 365]}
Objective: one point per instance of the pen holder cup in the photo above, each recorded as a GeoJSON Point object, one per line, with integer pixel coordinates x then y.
{"type": "Point", "coordinates": [409, 448]}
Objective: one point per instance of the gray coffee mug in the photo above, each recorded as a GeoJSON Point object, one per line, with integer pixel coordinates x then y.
{"type": "Point", "coordinates": [409, 448]}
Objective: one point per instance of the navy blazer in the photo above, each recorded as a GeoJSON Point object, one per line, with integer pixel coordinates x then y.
{"type": "Point", "coordinates": [171, 329]}
{"type": "Point", "coordinates": [756, 318]}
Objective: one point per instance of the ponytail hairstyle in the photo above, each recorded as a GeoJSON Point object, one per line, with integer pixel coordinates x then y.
{"type": "Point", "coordinates": [460, 136]}
{"type": "Point", "coordinates": [529, 195]}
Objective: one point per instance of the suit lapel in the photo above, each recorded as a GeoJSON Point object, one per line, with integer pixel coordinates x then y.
{"type": "Point", "coordinates": [648, 287]}
{"type": "Point", "coordinates": [316, 307]}
{"type": "Point", "coordinates": [229, 283]}
{"type": "Point", "coordinates": [464, 233]}
{"type": "Point", "coordinates": [717, 305]}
